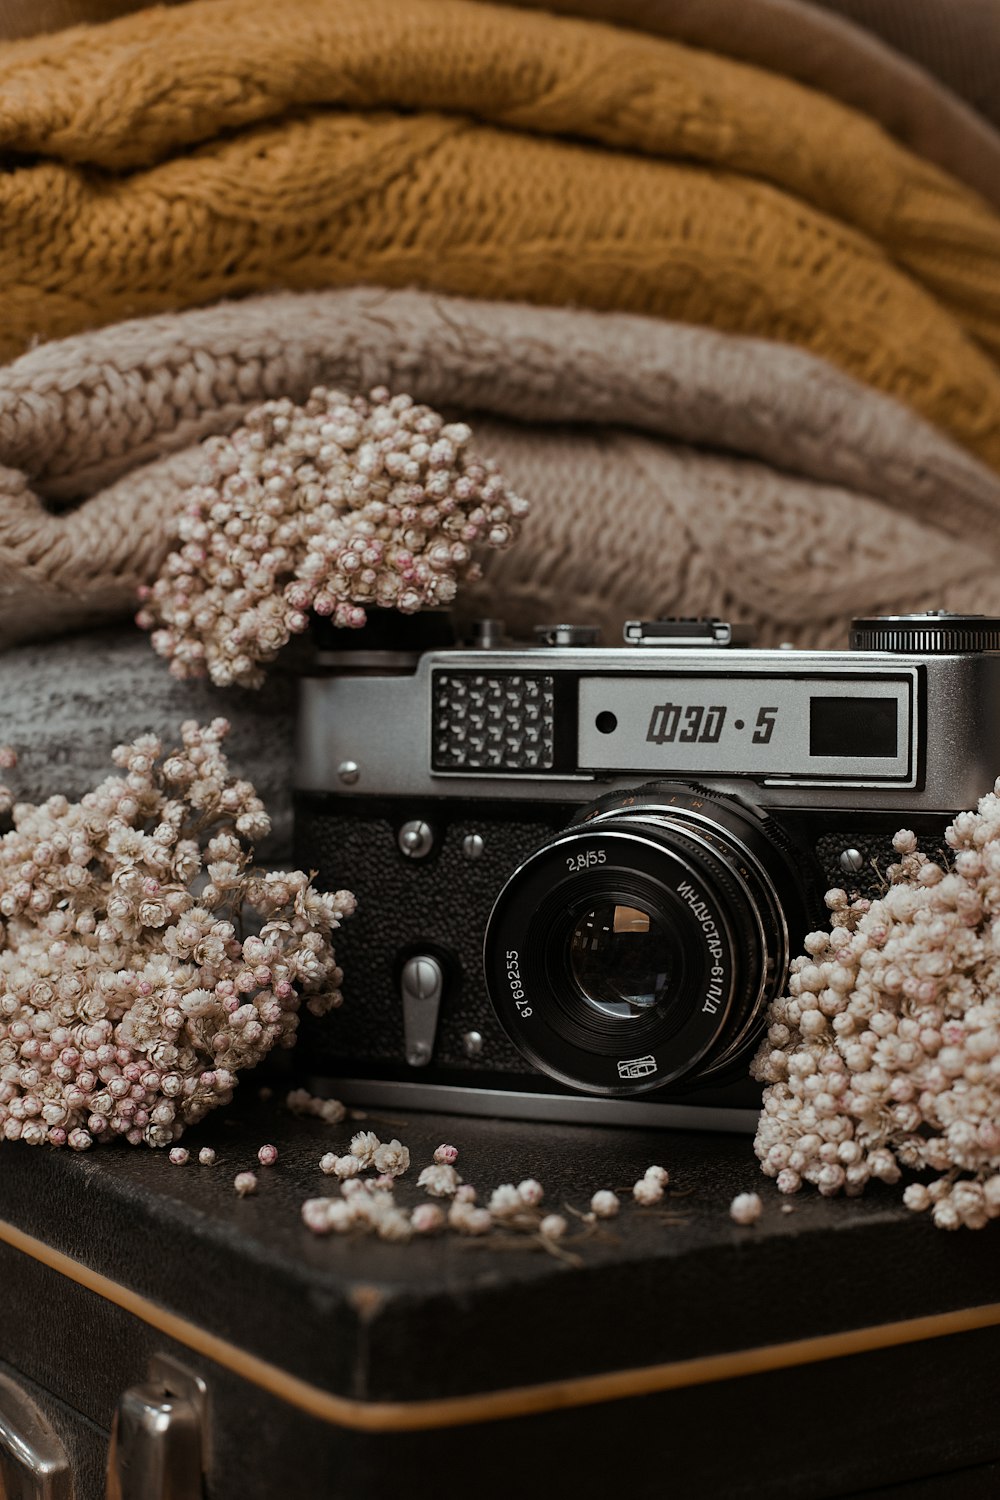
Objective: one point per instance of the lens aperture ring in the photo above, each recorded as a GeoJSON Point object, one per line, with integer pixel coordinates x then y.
{"type": "Point", "coordinates": [673, 873]}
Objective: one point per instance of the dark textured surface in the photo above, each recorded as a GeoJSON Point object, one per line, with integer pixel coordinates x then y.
{"type": "Point", "coordinates": [440, 902]}
{"type": "Point", "coordinates": [835, 1430]}
{"type": "Point", "coordinates": [249, 1270]}
{"type": "Point", "coordinates": [84, 1443]}
{"type": "Point", "coordinates": [452, 1317]}
{"type": "Point", "coordinates": [979, 1483]}
{"type": "Point", "coordinates": [875, 847]}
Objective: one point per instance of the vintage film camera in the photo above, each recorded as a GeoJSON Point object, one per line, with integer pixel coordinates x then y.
{"type": "Point", "coordinates": [582, 871]}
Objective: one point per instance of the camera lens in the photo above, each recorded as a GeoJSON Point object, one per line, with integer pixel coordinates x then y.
{"type": "Point", "coordinates": [622, 959]}
{"type": "Point", "coordinates": [641, 945]}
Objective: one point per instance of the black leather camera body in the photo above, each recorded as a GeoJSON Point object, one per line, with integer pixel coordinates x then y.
{"type": "Point", "coordinates": [582, 872]}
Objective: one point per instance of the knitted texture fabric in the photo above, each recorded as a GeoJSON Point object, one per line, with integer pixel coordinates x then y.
{"type": "Point", "coordinates": [78, 413]}
{"type": "Point", "coordinates": [29, 17]}
{"type": "Point", "coordinates": [124, 216]}
{"type": "Point", "coordinates": [621, 525]}
{"type": "Point", "coordinates": [87, 417]}
{"type": "Point", "coordinates": [958, 40]}
{"type": "Point", "coordinates": [829, 53]}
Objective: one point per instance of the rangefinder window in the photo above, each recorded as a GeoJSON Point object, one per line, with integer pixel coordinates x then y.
{"type": "Point", "coordinates": [854, 727]}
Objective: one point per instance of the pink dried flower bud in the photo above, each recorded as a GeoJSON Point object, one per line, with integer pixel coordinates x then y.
{"type": "Point", "coordinates": [245, 1183]}
{"type": "Point", "coordinates": [530, 1192]}
{"type": "Point", "coordinates": [446, 1155]}
{"type": "Point", "coordinates": [469, 1220]}
{"type": "Point", "coordinates": [179, 1157]}
{"type": "Point", "coordinates": [391, 1158]}
{"type": "Point", "coordinates": [427, 1218]}
{"type": "Point", "coordinates": [206, 1156]}
{"type": "Point", "coordinates": [267, 1155]}
{"type": "Point", "coordinates": [505, 1202]}
{"type": "Point", "coordinates": [364, 1146]}
{"type": "Point", "coordinates": [647, 1191]}
{"type": "Point", "coordinates": [605, 1204]}
{"type": "Point", "coordinates": [553, 1227]}
{"type": "Point", "coordinates": [316, 1215]}
{"type": "Point", "coordinates": [439, 1180]}
{"type": "Point", "coordinates": [746, 1208]}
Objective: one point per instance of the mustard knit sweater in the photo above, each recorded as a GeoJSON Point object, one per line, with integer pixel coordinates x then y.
{"type": "Point", "coordinates": [189, 154]}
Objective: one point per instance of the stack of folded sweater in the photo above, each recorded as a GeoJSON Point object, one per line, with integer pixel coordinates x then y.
{"type": "Point", "coordinates": [722, 297]}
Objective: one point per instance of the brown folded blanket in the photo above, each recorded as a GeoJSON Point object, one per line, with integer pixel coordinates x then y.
{"type": "Point", "coordinates": [622, 523]}
{"type": "Point", "coordinates": [830, 53]}
{"type": "Point", "coordinates": [709, 191]}
{"type": "Point", "coordinates": [956, 40]}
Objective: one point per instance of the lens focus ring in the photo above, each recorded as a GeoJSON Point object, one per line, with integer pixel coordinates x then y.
{"type": "Point", "coordinates": [706, 925]}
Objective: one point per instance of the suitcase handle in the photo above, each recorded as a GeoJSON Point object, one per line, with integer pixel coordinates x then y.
{"type": "Point", "coordinates": [158, 1437]}
{"type": "Point", "coordinates": [33, 1462]}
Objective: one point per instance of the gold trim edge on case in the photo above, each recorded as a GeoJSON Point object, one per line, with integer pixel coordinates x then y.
{"type": "Point", "coordinates": [517, 1401]}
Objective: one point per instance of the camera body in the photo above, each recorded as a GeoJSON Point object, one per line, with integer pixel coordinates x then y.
{"type": "Point", "coordinates": [583, 871]}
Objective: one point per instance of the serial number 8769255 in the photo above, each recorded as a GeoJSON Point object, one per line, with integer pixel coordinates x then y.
{"type": "Point", "coordinates": [516, 987]}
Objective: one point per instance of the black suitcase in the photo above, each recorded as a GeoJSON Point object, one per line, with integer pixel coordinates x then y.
{"type": "Point", "coordinates": [843, 1348]}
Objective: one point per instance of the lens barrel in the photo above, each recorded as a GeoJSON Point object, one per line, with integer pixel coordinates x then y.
{"type": "Point", "coordinates": [641, 946]}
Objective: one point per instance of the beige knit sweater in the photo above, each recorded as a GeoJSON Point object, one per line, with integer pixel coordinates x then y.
{"type": "Point", "coordinates": [848, 507]}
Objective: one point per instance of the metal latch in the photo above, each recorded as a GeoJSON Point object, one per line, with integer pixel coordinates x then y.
{"type": "Point", "coordinates": [159, 1437]}
{"type": "Point", "coordinates": [421, 984]}
{"type": "Point", "coordinates": [33, 1462]}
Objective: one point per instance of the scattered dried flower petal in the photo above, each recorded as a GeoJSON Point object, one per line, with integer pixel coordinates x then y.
{"type": "Point", "coordinates": [647, 1191]}
{"type": "Point", "coordinates": [469, 1220]}
{"type": "Point", "coordinates": [427, 1218]}
{"type": "Point", "coordinates": [391, 1158]}
{"type": "Point", "coordinates": [530, 1192]}
{"type": "Point", "coordinates": [746, 1208]}
{"type": "Point", "coordinates": [301, 1102]}
{"type": "Point", "coordinates": [364, 1145]}
{"type": "Point", "coordinates": [505, 1201]}
{"type": "Point", "coordinates": [438, 1180]}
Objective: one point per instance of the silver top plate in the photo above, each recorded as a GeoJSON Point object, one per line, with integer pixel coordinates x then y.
{"type": "Point", "coordinates": [818, 727]}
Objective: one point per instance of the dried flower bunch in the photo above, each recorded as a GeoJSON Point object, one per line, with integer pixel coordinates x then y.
{"type": "Point", "coordinates": [129, 999]}
{"type": "Point", "coordinates": [886, 1051]}
{"type": "Point", "coordinates": [339, 504]}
